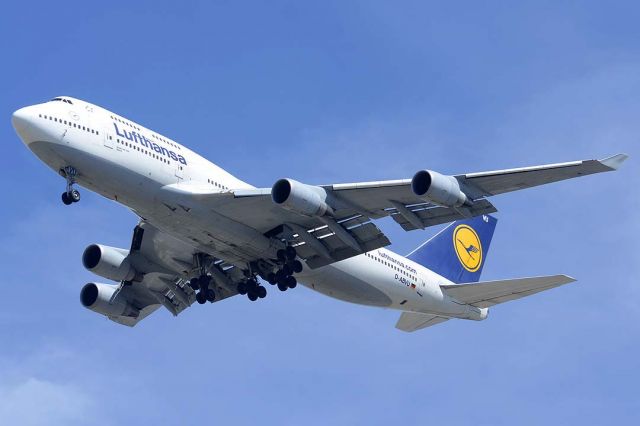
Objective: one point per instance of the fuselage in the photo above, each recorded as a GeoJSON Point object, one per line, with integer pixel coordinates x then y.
{"type": "Point", "coordinates": [144, 170]}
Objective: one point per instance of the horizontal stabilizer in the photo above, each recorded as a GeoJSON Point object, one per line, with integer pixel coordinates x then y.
{"type": "Point", "coordinates": [489, 293]}
{"type": "Point", "coordinates": [412, 321]}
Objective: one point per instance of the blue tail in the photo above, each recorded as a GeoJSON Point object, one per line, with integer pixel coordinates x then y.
{"type": "Point", "coordinates": [459, 251]}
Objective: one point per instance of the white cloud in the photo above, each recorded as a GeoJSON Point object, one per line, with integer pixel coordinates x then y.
{"type": "Point", "coordinates": [38, 402]}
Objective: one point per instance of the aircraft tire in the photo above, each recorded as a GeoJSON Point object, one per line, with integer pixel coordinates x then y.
{"type": "Point", "coordinates": [261, 292]}
{"type": "Point", "coordinates": [74, 196]}
{"type": "Point", "coordinates": [291, 282]}
{"type": "Point", "coordinates": [296, 266]}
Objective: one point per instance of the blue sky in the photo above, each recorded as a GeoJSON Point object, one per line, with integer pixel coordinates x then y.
{"type": "Point", "coordinates": [333, 92]}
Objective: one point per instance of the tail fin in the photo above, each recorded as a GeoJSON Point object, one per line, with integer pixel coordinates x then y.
{"type": "Point", "coordinates": [459, 251]}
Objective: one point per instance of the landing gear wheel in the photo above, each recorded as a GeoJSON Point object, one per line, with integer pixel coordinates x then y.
{"type": "Point", "coordinates": [281, 255]}
{"type": "Point", "coordinates": [282, 286]}
{"type": "Point", "coordinates": [271, 278]}
{"type": "Point", "coordinates": [290, 253]}
{"type": "Point", "coordinates": [242, 288]}
{"type": "Point", "coordinates": [296, 265]}
{"type": "Point", "coordinates": [65, 199]}
{"type": "Point", "coordinates": [261, 292]}
{"type": "Point", "coordinates": [194, 283]}
{"type": "Point", "coordinates": [211, 295]}
{"type": "Point", "coordinates": [74, 195]}
{"type": "Point", "coordinates": [201, 298]}
{"type": "Point", "coordinates": [291, 282]}
{"type": "Point", "coordinates": [252, 296]}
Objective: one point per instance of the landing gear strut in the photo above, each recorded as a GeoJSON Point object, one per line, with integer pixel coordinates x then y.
{"type": "Point", "coordinates": [71, 195]}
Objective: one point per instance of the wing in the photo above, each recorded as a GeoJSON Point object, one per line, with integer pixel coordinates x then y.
{"type": "Point", "coordinates": [164, 264]}
{"type": "Point", "coordinates": [485, 294]}
{"type": "Point", "coordinates": [328, 223]}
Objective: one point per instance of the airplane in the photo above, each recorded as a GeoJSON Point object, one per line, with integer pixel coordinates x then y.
{"type": "Point", "coordinates": [204, 235]}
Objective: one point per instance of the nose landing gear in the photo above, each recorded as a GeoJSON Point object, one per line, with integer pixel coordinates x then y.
{"type": "Point", "coordinates": [71, 195]}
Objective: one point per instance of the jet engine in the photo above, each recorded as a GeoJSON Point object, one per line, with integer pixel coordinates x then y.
{"type": "Point", "coordinates": [108, 262]}
{"type": "Point", "coordinates": [300, 198]}
{"type": "Point", "coordinates": [437, 188]}
{"type": "Point", "coordinates": [100, 298]}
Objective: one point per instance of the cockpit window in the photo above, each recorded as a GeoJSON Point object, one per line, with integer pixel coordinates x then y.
{"type": "Point", "coordinates": [66, 101]}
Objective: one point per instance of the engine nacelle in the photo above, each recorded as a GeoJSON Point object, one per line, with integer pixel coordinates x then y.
{"type": "Point", "coordinates": [437, 188]}
{"type": "Point", "coordinates": [99, 298]}
{"type": "Point", "coordinates": [108, 262]}
{"type": "Point", "coordinates": [298, 197]}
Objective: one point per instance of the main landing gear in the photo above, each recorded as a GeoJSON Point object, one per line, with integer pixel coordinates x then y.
{"type": "Point", "coordinates": [201, 285]}
{"type": "Point", "coordinates": [283, 277]}
{"type": "Point", "coordinates": [252, 289]}
{"type": "Point", "coordinates": [71, 195]}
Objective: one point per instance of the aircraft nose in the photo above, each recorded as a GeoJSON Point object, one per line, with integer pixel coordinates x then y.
{"type": "Point", "coordinates": [20, 119]}
{"type": "Point", "coordinates": [24, 122]}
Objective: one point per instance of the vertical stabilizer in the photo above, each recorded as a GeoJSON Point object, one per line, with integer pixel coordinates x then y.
{"type": "Point", "coordinates": [459, 251]}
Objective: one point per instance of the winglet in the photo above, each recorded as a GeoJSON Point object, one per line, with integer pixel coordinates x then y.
{"type": "Point", "coordinates": [615, 161]}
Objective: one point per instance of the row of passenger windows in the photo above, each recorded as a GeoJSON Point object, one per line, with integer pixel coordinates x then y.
{"type": "Point", "coordinates": [168, 142]}
{"type": "Point", "coordinates": [214, 183]}
{"type": "Point", "coordinates": [69, 123]}
{"type": "Point", "coordinates": [128, 123]}
{"type": "Point", "coordinates": [392, 266]}
{"type": "Point", "coordinates": [119, 120]}
{"type": "Point", "coordinates": [142, 150]}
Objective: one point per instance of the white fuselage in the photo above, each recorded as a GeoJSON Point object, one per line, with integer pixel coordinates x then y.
{"type": "Point", "coordinates": [134, 166]}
